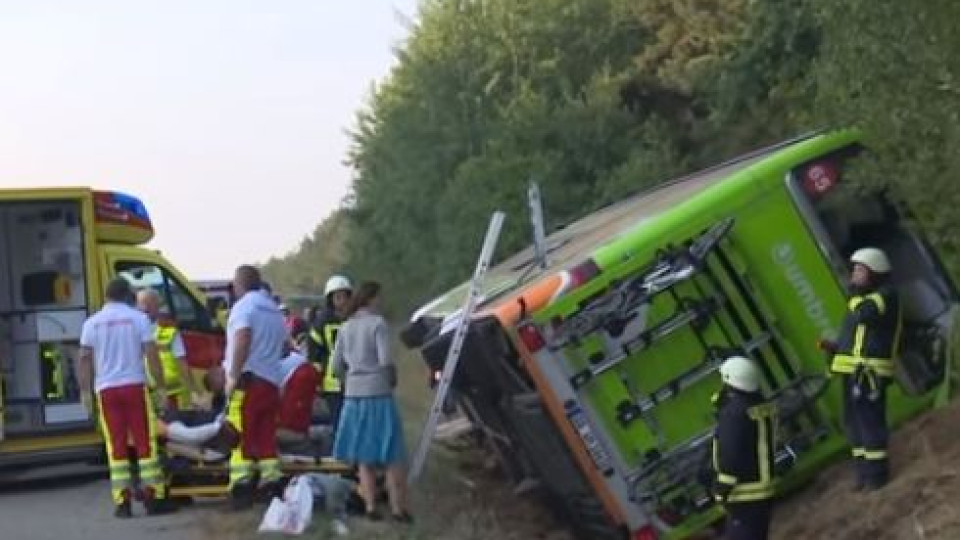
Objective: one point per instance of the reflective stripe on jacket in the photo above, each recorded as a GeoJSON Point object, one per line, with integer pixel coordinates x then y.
{"type": "Point", "coordinates": [743, 448]}
{"type": "Point", "coordinates": [870, 337]}
{"type": "Point", "coordinates": [164, 335]}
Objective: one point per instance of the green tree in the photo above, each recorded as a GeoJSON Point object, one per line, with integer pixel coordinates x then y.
{"type": "Point", "coordinates": [595, 99]}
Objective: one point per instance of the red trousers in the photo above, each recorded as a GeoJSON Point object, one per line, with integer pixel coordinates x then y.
{"type": "Point", "coordinates": [258, 434]}
{"type": "Point", "coordinates": [253, 410]}
{"type": "Point", "coordinates": [296, 405]}
{"type": "Point", "coordinates": [127, 417]}
{"type": "Point", "coordinates": [124, 411]}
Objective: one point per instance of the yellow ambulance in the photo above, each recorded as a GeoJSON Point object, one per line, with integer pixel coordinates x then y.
{"type": "Point", "coordinates": [58, 249]}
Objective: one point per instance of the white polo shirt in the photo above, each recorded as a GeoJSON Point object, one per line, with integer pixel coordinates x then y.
{"type": "Point", "coordinates": [117, 334]}
{"type": "Point", "coordinates": [260, 314]}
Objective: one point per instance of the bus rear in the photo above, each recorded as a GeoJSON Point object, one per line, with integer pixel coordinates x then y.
{"type": "Point", "coordinates": [754, 265]}
{"type": "Point", "coordinates": [601, 382]}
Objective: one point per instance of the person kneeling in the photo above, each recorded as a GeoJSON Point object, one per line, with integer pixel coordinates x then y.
{"type": "Point", "coordinates": [298, 393]}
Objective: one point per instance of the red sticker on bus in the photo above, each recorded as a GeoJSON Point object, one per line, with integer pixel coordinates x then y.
{"type": "Point", "coordinates": [819, 178]}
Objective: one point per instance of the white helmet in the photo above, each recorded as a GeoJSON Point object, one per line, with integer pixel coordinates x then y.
{"type": "Point", "coordinates": [740, 373]}
{"type": "Point", "coordinates": [873, 258]}
{"type": "Point", "coordinates": [337, 283]}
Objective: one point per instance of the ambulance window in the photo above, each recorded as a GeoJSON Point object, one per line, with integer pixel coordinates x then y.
{"type": "Point", "coordinates": [174, 297]}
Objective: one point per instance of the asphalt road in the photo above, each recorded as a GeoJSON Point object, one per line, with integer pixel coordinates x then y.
{"type": "Point", "coordinates": [73, 503]}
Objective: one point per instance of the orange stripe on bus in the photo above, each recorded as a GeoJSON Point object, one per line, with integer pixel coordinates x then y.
{"type": "Point", "coordinates": [574, 443]}
{"type": "Point", "coordinates": [535, 297]}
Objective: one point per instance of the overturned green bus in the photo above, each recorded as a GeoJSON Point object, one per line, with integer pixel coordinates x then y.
{"type": "Point", "coordinates": [593, 374]}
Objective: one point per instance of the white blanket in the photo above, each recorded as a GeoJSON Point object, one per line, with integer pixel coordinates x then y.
{"type": "Point", "coordinates": [196, 435]}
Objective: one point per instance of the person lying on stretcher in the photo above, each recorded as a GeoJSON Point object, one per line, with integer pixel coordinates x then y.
{"type": "Point", "coordinates": [205, 435]}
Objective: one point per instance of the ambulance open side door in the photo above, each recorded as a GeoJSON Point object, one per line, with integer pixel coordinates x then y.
{"type": "Point", "coordinates": [201, 332]}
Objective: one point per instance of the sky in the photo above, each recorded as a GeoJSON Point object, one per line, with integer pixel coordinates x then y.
{"type": "Point", "coordinates": [228, 118]}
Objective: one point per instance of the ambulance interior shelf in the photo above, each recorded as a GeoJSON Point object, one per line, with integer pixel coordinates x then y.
{"type": "Point", "coordinates": [42, 308]}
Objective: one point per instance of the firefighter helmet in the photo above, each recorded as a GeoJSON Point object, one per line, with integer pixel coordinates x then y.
{"type": "Point", "coordinates": [740, 373]}
{"type": "Point", "coordinates": [337, 283]}
{"type": "Point", "coordinates": [874, 259]}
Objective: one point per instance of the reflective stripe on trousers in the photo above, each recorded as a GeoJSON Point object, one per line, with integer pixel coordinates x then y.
{"type": "Point", "coordinates": [240, 467]}
{"type": "Point", "coordinates": [126, 414]}
{"type": "Point", "coordinates": [867, 431]}
{"type": "Point", "coordinates": [253, 411]}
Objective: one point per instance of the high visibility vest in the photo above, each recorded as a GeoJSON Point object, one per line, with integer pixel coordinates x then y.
{"type": "Point", "coordinates": [330, 381]}
{"type": "Point", "coordinates": [870, 344]}
{"type": "Point", "coordinates": [761, 485]}
{"type": "Point", "coordinates": [173, 379]}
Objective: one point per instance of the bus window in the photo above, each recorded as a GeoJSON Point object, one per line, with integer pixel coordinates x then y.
{"type": "Point", "coordinates": [189, 313]}
{"type": "Point", "coordinates": [844, 220]}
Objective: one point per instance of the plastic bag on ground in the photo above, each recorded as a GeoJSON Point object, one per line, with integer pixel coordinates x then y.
{"type": "Point", "coordinates": [292, 513]}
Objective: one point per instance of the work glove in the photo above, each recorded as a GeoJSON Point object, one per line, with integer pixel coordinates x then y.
{"type": "Point", "coordinates": [827, 346]}
{"type": "Point", "coordinates": [721, 492]}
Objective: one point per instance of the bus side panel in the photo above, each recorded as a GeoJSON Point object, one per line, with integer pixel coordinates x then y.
{"type": "Point", "coordinates": [804, 297]}
{"type": "Point", "coordinates": [807, 296]}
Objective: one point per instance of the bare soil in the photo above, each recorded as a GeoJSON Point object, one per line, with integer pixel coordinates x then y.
{"type": "Point", "coordinates": [922, 500]}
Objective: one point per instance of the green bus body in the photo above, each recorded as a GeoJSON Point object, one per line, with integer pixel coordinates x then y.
{"type": "Point", "coordinates": [775, 281]}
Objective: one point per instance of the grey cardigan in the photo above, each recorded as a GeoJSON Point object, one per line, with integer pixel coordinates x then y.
{"type": "Point", "coordinates": [361, 356]}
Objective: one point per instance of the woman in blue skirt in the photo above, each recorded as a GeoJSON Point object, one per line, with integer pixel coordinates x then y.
{"type": "Point", "coordinates": [370, 433]}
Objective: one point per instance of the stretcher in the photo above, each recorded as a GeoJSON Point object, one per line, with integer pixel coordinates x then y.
{"type": "Point", "coordinates": [197, 446]}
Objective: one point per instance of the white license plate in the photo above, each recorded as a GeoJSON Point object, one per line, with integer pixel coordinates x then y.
{"type": "Point", "coordinates": [601, 458]}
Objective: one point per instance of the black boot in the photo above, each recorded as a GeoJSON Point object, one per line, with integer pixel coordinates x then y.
{"type": "Point", "coordinates": [123, 510]}
{"type": "Point", "coordinates": [241, 495]}
{"type": "Point", "coordinates": [271, 489]}
{"type": "Point", "coordinates": [876, 481]}
{"type": "Point", "coordinates": [859, 475]}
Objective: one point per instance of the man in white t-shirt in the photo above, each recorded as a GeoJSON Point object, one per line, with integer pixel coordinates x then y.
{"type": "Point", "coordinates": [114, 342]}
{"type": "Point", "coordinates": [256, 335]}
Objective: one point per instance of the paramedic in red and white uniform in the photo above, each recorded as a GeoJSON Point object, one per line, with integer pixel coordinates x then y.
{"type": "Point", "coordinates": [256, 337]}
{"type": "Point", "coordinates": [114, 342]}
{"type": "Point", "coordinates": [298, 392]}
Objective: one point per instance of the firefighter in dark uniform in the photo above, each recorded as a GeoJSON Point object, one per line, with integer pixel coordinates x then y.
{"type": "Point", "coordinates": [743, 451]}
{"type": "Point", "coordinates": [322, 338]}
{"type": "Point", "coordinates": [864, 356]}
